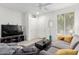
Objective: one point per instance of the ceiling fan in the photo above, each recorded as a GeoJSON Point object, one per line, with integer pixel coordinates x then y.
{"type": "Point", "coordinates": [41, 6]}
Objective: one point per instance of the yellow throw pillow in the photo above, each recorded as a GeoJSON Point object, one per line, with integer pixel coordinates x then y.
{"type": "Point", "coordinates": [66, 52]}
{"type": "Point", "coordinates": [68, 38]}
{"type": "Point", "coordinates": [60, 37]}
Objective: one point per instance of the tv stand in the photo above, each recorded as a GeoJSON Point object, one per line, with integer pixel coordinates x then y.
{"type": "Point", "coordinates": [11, 39]}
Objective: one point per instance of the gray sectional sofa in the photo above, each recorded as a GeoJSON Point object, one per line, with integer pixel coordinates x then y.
{"type": "Point", "coordinates": [56, 45]}
{"type": "Point", "coordinates": [65, 45]}
{"type": "Point", "coordinates": [13, 49]}
{"type": "Point", "coordinates": [7, 49]}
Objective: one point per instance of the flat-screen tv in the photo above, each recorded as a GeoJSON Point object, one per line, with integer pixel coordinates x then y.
{"type": "Point", "coordinates": [10, 30]}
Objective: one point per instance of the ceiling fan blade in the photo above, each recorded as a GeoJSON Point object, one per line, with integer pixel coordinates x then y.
{"type": "Point", "coordinates": [40, 5]}
{"type": "Point", "coordinates": [47, 4]}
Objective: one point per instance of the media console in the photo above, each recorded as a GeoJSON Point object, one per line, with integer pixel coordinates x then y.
{"type": "Point", "coordinates": [11, 33]}
{"type": "Point", "coordinates": [10, 39]}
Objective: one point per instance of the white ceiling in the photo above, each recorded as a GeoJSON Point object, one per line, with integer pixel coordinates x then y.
{"type": "Point", "coordinates": [34, 7]}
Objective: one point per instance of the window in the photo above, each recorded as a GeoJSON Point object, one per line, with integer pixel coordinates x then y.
{"type": "Point", "coordinates": [60, 23]}
{"type": "Point", "coordinates": [65, 23]}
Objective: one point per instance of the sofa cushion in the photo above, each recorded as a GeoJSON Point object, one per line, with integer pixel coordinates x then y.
{"type": "Point", "coordinates": [60, 37]}
{"type": "Point", "coordinates": [68, 38]}
{"type": "Point", "coordinates": [66, 52]}
{"type": "Point", "coordinates": [11, 44]}
{"type": "Point", "coordinates": [27, 51]}
{"type": "Point", "coordinates": [60, 44]}
{"type": "Point", "coordinates": [52, 51]}
{"type": "Point", "coordinates": [3, 44]}
{"type": "Point", "coordinates": [6, 50]}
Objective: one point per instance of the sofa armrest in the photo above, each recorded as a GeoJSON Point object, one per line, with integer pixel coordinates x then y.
{"type": "Point", "coordinates": [75, 45]}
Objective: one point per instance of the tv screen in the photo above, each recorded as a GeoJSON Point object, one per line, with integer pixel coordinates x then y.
{"type": "Point", "coordinates": [9, 30]}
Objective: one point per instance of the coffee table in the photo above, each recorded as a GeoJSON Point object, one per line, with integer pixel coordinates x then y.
{"type": "Point", "coordinates": [43, 45]}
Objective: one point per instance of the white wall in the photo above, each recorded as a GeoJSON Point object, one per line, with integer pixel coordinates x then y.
{"type": "Point", "coordinates": [43, 29]}
{"type": "Point", "coordinates": [9, 16]}
{"type": "Point", "coordinates": [38, 27]}
{"type": "Point", "coordinates": [33, 26]}
{"type": "Point", "coordinates": [25, 24]}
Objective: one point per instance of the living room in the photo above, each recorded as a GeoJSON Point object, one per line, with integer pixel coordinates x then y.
{"type": "Point", "coordinates": [39, 28]}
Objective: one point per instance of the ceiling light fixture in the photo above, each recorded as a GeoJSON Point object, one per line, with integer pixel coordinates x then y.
{"type": "Point", "coordinates": [40, 9]}
{"type": "Point", "coordinates": [42, 6]}
{"type": "Point", "coordinates": [37, 13]}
